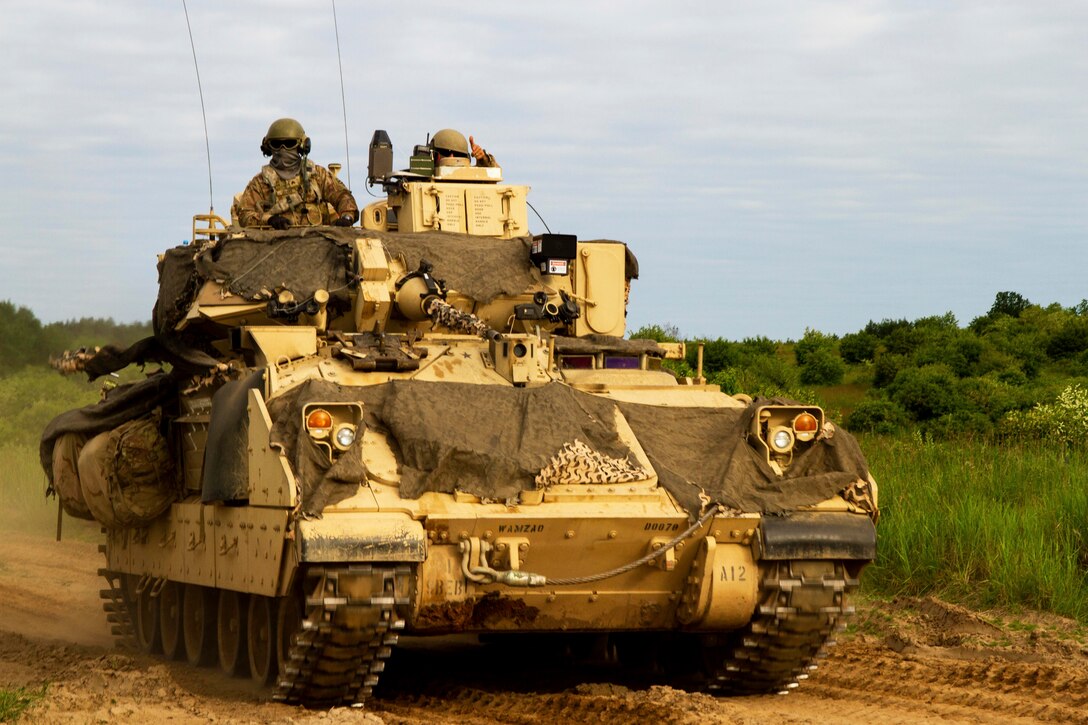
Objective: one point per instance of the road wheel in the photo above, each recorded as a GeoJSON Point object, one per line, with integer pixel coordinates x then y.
{"type": "Point", "coordinates": [288, 623]}
{"type": "Point", "coordinates": [231, 631]}
{"type": "Point", "coordinates": [261, 636]}
{"type": "Point", "coordinates": [170, 620]}
{"type": "Point", "coordinates": [198, 624]}
{"type": "Point", "coordinates": [147, 619]}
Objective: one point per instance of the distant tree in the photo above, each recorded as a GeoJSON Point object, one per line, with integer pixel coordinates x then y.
{"type": "Point", "coordinates": [1070, 340]}
{"type": "Point", "coordinates": [858, 347]}
{"type": "Point", "coordinates": [717, 354]}
{"type": "Point", "coordinates": [823, 367]}
{"type": "Point", "coordinates": [751, 346]}
{"type": "Point", "coordinates": [925, 393]}
{"type": "Point", "coordinates": [21, 338]}
{"type": "Point", "coordinates": [882, 329]}
{"type": "Point", "coordinates": [812, 341]}
{"type": "Point", "coordinates": [886, 367]}
{"type": "Point", "coordinates": [1009, 303]}
{"type": "Point", "coordinates": [658, 333]}
{"type": "Point", "coordinates": [817, 356]}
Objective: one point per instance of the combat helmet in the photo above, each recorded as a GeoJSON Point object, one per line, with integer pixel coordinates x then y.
{"type": "Point", "coordinates": [286, 128]}
{"type": "Point", "coordinates": [453, 146]}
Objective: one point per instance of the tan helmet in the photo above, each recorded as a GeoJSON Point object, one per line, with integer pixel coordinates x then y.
{"type": "Point", "coordinates": [452, 146]}
{"type": "Point", "coordinates": [286, 128]}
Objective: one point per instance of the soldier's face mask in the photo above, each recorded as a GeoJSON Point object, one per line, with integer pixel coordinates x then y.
{"type": "Point", "coordinates": [286, 161]}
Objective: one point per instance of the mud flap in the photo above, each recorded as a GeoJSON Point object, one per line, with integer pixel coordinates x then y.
{"type": "Point", "coordinates": [818, 535]}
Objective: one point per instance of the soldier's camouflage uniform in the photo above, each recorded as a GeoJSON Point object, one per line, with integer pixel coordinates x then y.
{"type": "Point", "coordinates": [324, 200]}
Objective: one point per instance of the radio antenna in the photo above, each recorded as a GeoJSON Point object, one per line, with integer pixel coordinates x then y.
{"type": "Point", "coordinates": [207, 145]}
{"type": "Point", "coordinates": [343, 99]}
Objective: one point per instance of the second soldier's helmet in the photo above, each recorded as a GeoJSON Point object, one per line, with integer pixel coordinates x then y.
{"type": "Point", "coordinates": [451, 143]}
{"type": "Point", "coordinates": [283, 131]}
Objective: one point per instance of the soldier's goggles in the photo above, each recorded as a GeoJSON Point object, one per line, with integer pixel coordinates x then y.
{"type": "Point", "coordinates": [283, 143]}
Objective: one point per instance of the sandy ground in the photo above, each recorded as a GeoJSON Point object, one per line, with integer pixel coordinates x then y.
{"type": "Point", "coordinates": [909, 661]}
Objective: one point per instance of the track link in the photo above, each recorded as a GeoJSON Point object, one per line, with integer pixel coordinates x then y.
{"type": "Point", "coordinates": [115, 603]}
{"type": "Point", "coordinates": [802, 604]}
{"type": "Point", "coordinates": [348, 629]}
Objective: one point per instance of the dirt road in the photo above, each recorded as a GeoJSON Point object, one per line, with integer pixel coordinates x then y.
{"type": "Point", "coordinates": [911, 661]}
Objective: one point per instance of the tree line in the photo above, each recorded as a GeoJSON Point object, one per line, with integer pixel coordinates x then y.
{"type": "Point", "coordinates": [928, 374]}
{"type": "Point", "coordinates": [25, 341]}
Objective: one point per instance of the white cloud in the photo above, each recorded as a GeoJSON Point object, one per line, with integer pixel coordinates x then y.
{"type": "Point", "coordinates": [900, 157]}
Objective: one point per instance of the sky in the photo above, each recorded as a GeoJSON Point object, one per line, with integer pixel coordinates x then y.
{"type": "Point", "coordinates": [775, 166]}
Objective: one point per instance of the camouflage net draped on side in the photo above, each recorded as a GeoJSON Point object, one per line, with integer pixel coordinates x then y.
{"type": "Point", "coordinates": [495, 441]}
{"type": "Point", "coordinates": [704, 451]}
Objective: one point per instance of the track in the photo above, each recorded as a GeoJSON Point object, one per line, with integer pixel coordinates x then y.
{"type": "Point", "coordinates": [346, 634]}
{"type": "Point", "coordinates": [910, 661]}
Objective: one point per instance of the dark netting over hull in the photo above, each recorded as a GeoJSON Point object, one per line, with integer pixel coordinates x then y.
{"type": "Point", "coordinates": [261, 262]}
{"type": "Point", "coordinates": [492, 441]}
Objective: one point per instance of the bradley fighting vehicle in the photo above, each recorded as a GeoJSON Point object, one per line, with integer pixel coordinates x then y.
{"type": "Point", "coordinates": [432, 424]}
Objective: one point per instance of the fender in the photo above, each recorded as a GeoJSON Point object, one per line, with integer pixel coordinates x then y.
{"type": "Point", "coordinates": [818, 535]}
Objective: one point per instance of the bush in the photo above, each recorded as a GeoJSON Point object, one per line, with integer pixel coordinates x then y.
{"type": "Point", "coordinates": [857, 347]}
{"type": "Point", "coordinates": [988, 396]}
{"type": "Point", "coordinates": [877, 416]}
{"type": "Point", "coordinates": [886, 367]}
{"type": "Point", "coordinates": [958, 424]}
{"type": "Point", "coordinates": [658, 333]}
{"type": "Point", "coordinates": [1065, 421]}
{"type": "Point", "coordinates": [812, 343]}
{"type": "Point", "coordinates": [925, 393]}
{"type": "Point", "coordinates": [727, 379]}
{"type": "Point", "coordinates": [822, 367]}
{"type": "Point", "coordinates": [1070, 340]}
{"type": "Point", "coordinates": [32, 397]}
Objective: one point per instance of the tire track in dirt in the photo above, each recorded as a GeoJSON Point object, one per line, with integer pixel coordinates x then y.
{"type": "Point", "coordinates": [917, 661]}
{"type": "Point", "coordinates": [998, 689]}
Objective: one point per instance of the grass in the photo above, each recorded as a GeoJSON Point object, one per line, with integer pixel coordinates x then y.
{"type": "Point", "coordinates": [23, 500]}
{"type": "Point", "coordinates": [14, 702]}
{"type": "Point", "coordinates": [981, 524]}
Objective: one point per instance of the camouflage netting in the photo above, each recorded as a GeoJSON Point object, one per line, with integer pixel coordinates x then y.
{"type": "Point", "coordinates": [262, 262]}
{"type": "Point", "coordinates": [591, 344]}
{"type": "Point", "coordinates": [704, 451]}
{"type": "Point", "coordinates": [494, 442]}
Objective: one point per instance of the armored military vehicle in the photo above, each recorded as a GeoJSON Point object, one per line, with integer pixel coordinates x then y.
{"type": "Point", "coordinates": [431, 424]}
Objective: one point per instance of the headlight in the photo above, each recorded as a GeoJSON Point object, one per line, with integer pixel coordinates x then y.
{"type": "Point", "coordinates": [345, 436]}
{"type": "Point", "coordinates": [781, 439]}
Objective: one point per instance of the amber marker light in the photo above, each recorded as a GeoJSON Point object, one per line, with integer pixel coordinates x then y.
{"type": "Point", "coordinates": [805, 426]}
{"type": "Point", "coordinates": [319, 423]}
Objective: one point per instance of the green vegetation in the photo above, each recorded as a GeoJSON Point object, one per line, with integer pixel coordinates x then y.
{"type": "Point", "coordinates": [928, 376]}
{"type": "Point", "coordinates": [32, 394]}
{"type": "Point", "coordinates": [14, 702]}
{"type": "Point", "coordinates": [978, 438]}
{"type": "Point", "coordinates": [26, 341]}
{"type": "Point", "coordinates": [982, 523]}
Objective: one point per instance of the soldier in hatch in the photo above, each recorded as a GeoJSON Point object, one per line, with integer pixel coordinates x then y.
{"type": "Point", "coordinates": [291, 190]}
{"type": "Point", "coordinates": [451, 149]}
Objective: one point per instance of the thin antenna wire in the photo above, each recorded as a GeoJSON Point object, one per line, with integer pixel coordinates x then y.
{"type": "Point", "coordinates": [343, 100]}
{"type": "Point", "coordinates": [538, 216]}
{"type": "Point", "coordinates": [207, 145]}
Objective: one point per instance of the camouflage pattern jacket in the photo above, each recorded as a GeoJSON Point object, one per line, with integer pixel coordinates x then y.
{"type": "Point", "coordinates": [322, 201]}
